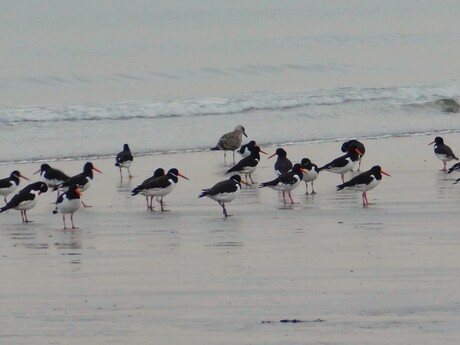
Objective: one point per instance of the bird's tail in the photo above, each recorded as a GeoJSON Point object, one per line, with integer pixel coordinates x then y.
{"type": "Point", "coordinates": [456, 181]}
{"type": "Point", "coordinates": [453, 168]}
{"type": "Point", "coordinates": [117, 164]}
{"type": "Point", "coordinates": [217, 148]}
{"type": "Point", "coordinates": [4, 208]}
{"type": "Point", "coordinates": [55, 211]}
{"type": "Point", "coordinates": [267, 184]}
{"type": "Point", "coordinates": [203, 193]}
{"type": "Point", "coordinates": [136, 190]}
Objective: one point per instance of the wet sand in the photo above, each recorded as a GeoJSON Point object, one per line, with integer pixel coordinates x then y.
{"type": "Point", "coordinates": [386, 274]}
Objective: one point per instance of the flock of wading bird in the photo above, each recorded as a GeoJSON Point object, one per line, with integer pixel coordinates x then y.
{"type": "Point", "coordinates": [288, 177]}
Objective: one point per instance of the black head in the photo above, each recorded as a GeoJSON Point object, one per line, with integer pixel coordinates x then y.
{"type": "Point", "coordinates": [305, 161]}
{"type": "Point", "coordinates": [236, 178]}
{"type": "Point", "coordinates": [45, 167]}
{"type": "Point", "coordinates": [159, 172]}
{"type": "Point", "coordinates": [297, 167]}
{"type": "Point", "coordinates": [439, 140]}
{"type": "Point", "coordinates": [281, 152]}
{"type": "Point", "coordinates": [73, 191]}
{"type": "Point", "coordinates": [15, 174]}
{"type": "Point", "coordinates": [89, 167]}
{"type": "Point", "coordinates": [125, 147]}
{"type": "Point", "coordinates": [40, 187]}
{"type": "Point", "coordinates": [174, 172]}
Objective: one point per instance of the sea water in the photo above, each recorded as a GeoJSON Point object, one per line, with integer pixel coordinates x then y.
{"type": "Point", "coordinates": [78, 80]}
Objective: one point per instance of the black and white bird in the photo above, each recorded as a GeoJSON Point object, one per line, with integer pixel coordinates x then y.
{"type": "Point", "coordinates": [124, 160]}
{"type": "Point", "coordinates": [364, 182]}
{"type": "Point", "coordinates": [140, 190]}
{"type": "Point", "coordinates": [249, 164]}
{"type": "Point", "coordinates": [68, 202]}
{"type": "Point", "coordinates": [9, 184]}
{"type": "Point", "coordinates": [160, 187]}
{"type": "Point", "coordinates": [343, 164]}
{"type": "Point", "coordinates": [442, 151]}
{"type": "Point", "coordinates": [26, 199]}
{"type": "Point", "coordinates": [287, 181]}
{"type": "Point", "coordinates": [82, 181]}
{"type": "Point", "coordinates": [231, 141]}
{"type": "Point", "coordinates": [359, 145]}
{"type": "Point", "coordinates": [245, 150]}
{"type": "Point", "coordinates": [311, 175]}
{"type": "Point", "coordinates": [52, 177]}
{"type": "Point", "coordinates": [224, 191]}
{"type": "Point", "coordinates": [282, 164]}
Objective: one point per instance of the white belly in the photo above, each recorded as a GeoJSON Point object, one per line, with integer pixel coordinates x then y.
{"type": "Point", "coordinates": [26, 205]}
{"type": "Point", "coordinates": [9, 190]}
{"type": "Point", "coordinates": [68, 206]}
{"type": "Point", "coordinates": [311, 176]}
{"type": "Point", "coordinates": [225, 197]}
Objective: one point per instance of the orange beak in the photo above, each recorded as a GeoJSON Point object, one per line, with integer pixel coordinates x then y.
{"type": "Point", "coordinates": [431, 143]}
{"type": "Point", "coordinates": [273, 155]}
{"type": "Point", "coordinates": [244, 182]}
{"type": "Point", "coordinates": [179, 174]}
{"type": "Point", "coordinates": [303, 170]}
{"type": "Point", "coordinates": [35, 173]}
{"type": "Point", "coordinates": [384, 173]}
{"type": "Point", "coordinates": [358, 152]}
{"type": "Point", "coordinates": [25, 178]}
{"type": "Point", "coordinates": [94, 168]}
{"type": "Point", "coordinates": [78, 191]}
{"type": "Point", "coordinates": [262, 151]}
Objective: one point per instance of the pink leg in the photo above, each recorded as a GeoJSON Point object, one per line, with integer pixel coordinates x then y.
{"type": "Point", "coordinates": [63, 219]}
{"type": "Point", "coordinates": [290, 197]}
{"type": "Point", "coordinates": [71, 219]}
{"type": "Point", "coordinates": [284, 198]}
{"type": "Point", "coordinates": [343, 179]}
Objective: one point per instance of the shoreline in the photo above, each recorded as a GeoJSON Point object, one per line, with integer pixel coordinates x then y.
{"type": "Point", "coordinates": [386, 273]}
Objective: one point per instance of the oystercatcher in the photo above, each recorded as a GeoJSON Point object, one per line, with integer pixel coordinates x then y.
{"type": "Point", "coordinates": [26, 199]}
{"type": "Point", "coordinates": [82, 180]}
{"type": "Point", "coordinates": [224, 191]}
{"type": "Point", "coordinates": [52, 177]}
{"type": "Point", "coordinates": [442, 151]}
{"type": "Point", "coordinates": [245, 150]}
{"type": "Point", "coordinates": [359, 145]}
{"type": "Point", "coordinates": [160, 186]}
{"type": "Point", "coordinates": [9, 184]}
{"type": "Point", "coordinates": [282, 164]}
{"type": "Point", "coordinates": [249, 164]}
{"type": "Point", "coordinates": [124, 160]}
{"type": "Point", "coordinates": [287, 181]}
{"type": "Point", "coordinates": [344, 163]}
{"type": "Point", "coordinates": [140, 188]}
{"type": "Point", "coordinates": [311, 175]}
{"type": "Point", "coordinates": [365, 181]}
{"type": "Point", "coordinates": [68, 202]}
{"type": "Point", "coordinates": [231, 141]}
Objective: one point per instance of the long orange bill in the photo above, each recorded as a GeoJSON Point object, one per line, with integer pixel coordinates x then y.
{"type": "Point", "coordinates": [244, 182]}
{"type": "Point", "coordinates": [94, 168]}
{"type": "Point", "coordinates": [25, 178]}
{"type": "Point", "coordinates": [272, 155]}
{"type": "Point", "coordinates": [303, 170]}
{"type": "Point", "coordinates": [358, 152]}
{"type": "Point", "coordinates": [179, 174]}
{"type": "Point", "coordinates": [35, 173]}
{"type": "Point", "coordinates": [262, 151]}
{"type": "Point", "coordinates": [78, 191]}
{"type": "Point", "coordinates": [431, 143]}
{"type": "Point", "coordinates": [384, 173]}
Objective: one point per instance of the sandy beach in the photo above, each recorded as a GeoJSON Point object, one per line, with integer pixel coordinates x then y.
{"type": "Point", "coordinates": [386, 274]}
